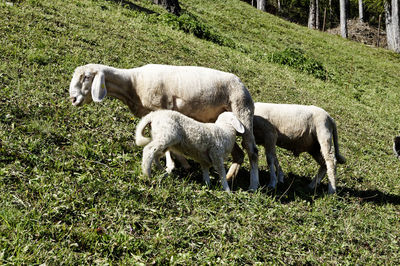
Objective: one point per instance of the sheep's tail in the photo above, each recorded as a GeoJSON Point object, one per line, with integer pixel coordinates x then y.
{"type": "Point", "coordinates": [339, 158]}
{"type": "Point", "coordinates": [140, 139]}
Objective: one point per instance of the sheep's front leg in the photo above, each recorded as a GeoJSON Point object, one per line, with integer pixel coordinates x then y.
{"type": "Point", "coordinates": [249, 145]}
{"type": "Point", "coordinates": [244, 110]}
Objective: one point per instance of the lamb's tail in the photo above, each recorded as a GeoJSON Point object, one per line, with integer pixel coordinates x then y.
{"type": "Point", "coordinates": [140, 139]}
{"type": "Point", "coordinates": [339, 158]}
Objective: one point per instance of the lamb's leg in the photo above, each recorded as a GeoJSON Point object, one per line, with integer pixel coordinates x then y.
{"type": "Point", "coordinates": [281, 175]}
{"type": "Point", "coordinates": [169, 162]}
{"type": "Point", "coordinates": [151, 151]}
{"type": "Point", "coordinates": [218, 163]}
{"type": "Point", "coordinates": [237, 157]}
{"type": "Point", "coordinates": [206, 175]}
{"type": "Point", "coordinates": [272, 160]}
{"type": "Point", "coordinates": [331, 170]}
{"type": "Point", "coordinates": [182, 160]}
{"type": "Point", "coordinates": [318, 177]}
{"type": "Point", "coordinates": [272, 171]}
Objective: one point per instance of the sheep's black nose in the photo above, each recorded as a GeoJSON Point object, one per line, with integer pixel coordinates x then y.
{"type": "Point", "coordinates": [73, 99]}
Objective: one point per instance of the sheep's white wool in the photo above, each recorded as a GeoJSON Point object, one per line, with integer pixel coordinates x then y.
{"type": "Point", "coordinates": [206, 143]}
{"type": "Point", "coordinates": [198, 92]}
{"type": "Point", "coordinates": [298, 128]}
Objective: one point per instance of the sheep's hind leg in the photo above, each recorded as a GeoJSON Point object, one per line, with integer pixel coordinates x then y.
{"type": "Point", "coordinates": [325, 141]}
{"type": "Point", "coordinates": [281, 175]}
{"type": "Point", "coordinates": [151, 151]}
{"type": "Point", "coordinates": [272, 170]}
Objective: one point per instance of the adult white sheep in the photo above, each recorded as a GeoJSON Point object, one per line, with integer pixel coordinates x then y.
{"type": "Point", "coordinates": [198, 92]}
{"type": "Point", "coordinates": [297, 128]}
{"type": "Point", "coordinates": [206, 143]}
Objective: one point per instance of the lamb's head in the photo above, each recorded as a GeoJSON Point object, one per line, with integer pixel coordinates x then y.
{"type": "Point", "coordinates": [87, 85]}
{"type": "Point", "coordinates": [228, 118]}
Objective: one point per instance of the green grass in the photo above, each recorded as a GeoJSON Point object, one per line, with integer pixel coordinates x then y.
{"type": "Point", "coordinates": [71, 191]}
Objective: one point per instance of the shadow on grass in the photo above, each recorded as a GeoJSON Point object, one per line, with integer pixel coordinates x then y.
{"type": "Point", "coordinates": [133, 6]}
{"type": "Point", "coordinates": [296, 186]}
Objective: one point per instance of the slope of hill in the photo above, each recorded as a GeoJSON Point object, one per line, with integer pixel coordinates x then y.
{"type": "Point", "coordinates": [70, 184]}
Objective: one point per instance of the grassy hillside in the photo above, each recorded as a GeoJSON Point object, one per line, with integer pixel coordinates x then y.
{"type": "Point", "coordinates": [70, 184]}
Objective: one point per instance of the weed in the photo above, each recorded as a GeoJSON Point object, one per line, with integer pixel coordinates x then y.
{"type": "Point", "coordinates": [297, 59]}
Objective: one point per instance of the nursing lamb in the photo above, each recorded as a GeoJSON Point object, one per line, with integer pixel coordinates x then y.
{"type": "Point", "coordinates": [206, 143]}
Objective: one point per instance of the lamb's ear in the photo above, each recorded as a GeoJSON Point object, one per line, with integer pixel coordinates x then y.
{"type": "Point", "coordinates": [237, 125]}
{"type": "Point", "coordinates": [99, 90]}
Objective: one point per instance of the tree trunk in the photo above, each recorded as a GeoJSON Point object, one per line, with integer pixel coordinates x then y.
{"type": "Point", "coordinates": [343, 19]}
{"type": "Point", "coordinates": [361, 10]}
{"type": "Point", "coordinates": [317, 14]}
{"type": "Point", "coordinates": [171, 5]}
{"type": "Point", "coordinates": [379, 31]}
{"type": "Point", "coordinates": [279, 6]}
{"type": "Point", "coordinates": [262, 5]}
{"type": "Point", "coordinates": [330, 14]}
{"type": "Point", "coordinates": [313, 16]}
{"type": "Point", "coordinates": [392, 25]}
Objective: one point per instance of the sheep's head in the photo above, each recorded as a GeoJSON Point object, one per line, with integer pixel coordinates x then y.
{"type": "Point", "coordinates": [87, 85]}
{"type": "Point", "coordinates": [230, 119]}
{"type": "Point", "coordinates": [396, 146]}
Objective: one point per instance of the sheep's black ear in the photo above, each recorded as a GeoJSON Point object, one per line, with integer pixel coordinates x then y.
{"type": "Point", "coordinates": [396, 146]}
{"type": "Point", "coordinates": [99, 90]}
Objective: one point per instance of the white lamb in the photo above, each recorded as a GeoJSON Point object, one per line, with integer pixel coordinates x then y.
{"type": "Point", "coordinates": [206, 143]}
{"type": "Point", "coordinates": [297, 128]}
{"type": "Point", "coordinates": [198, 92]}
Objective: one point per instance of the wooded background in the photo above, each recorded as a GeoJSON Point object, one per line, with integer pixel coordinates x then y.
{"type": "Point", "coordinates": [326, 14]}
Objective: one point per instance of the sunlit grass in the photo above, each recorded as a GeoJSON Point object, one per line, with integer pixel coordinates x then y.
{"type": "Point", "coordinates": [71, 189]}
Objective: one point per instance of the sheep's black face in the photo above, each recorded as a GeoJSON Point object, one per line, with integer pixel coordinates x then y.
{"type": "Point", "coordinates": [79, 88]}
{"type": "Point", "coordinates": [396, 146]}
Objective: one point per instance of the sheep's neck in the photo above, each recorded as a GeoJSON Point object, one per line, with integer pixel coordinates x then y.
{"type": "Point", "coordinates": [120, 85]}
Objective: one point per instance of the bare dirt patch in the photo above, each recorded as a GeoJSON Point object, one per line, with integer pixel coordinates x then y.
{"type": "Point", "coordinates": [364, 33]}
